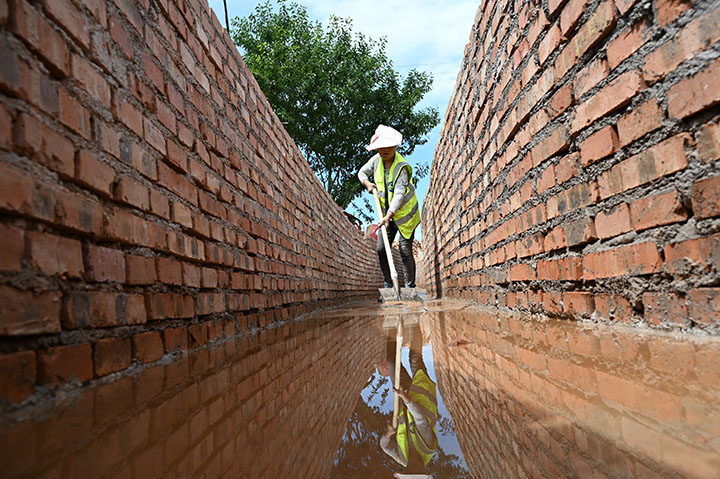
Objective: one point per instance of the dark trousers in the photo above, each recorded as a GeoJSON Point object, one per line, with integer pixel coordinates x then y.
{"type": "Point", "coordinates": [406, 253]}
{"type": "Point", "coordinates": [416, 359]}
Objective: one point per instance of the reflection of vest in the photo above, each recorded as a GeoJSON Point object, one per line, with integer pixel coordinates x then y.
{"type": "Point", "coordinates": [407, 217]}
{"type": "Point", "coordinates": [423, 393]}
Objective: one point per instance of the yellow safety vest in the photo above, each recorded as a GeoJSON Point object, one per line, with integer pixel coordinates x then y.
{"type": "Point", "coordinates": [423, 393]}
{"type": "Point", "coordinates": [407, 217]}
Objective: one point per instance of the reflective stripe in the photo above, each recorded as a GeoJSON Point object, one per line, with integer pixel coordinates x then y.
{"type": "Point", "coordinates": [421, 444]}
{"type": "Point", "coordinates": [408, 195]}
{"type": "Point", "coordinates": [420, 390]}
{"type": "Point", "coordinates": [429, 415]}
{"type": "Point", "coordinates": [398, 169]}
{"type": "Point", "coordinates": [407, 217]}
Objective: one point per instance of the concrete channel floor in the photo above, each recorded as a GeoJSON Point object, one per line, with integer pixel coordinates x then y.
{"type": "Point", "coordinates": [521, 396]}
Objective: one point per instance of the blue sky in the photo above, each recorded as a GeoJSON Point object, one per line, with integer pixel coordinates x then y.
{"type": "Point", "coordinates": [428, 35]}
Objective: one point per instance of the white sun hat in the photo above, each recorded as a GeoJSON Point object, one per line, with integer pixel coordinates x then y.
{"type": "Point", "coordinates": [384, 137]}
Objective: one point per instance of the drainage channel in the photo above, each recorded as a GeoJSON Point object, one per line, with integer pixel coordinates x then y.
{"type": "Point", "coordinates": [517, 396]}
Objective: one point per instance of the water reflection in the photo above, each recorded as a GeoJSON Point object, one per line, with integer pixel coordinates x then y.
{"type": "Point", "coordinates": [527, 398]}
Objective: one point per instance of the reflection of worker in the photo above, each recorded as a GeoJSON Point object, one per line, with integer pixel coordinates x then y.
{"type": "Point", "coordinates": [392, 176]}
{"type": "Point", "coordinates": [416, 434]}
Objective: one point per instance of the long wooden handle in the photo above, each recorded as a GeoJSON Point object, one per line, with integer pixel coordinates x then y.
{"type": "Point", "coordinates": [398, 365]}
{"type": "Point", "coordinates": [378, 208]}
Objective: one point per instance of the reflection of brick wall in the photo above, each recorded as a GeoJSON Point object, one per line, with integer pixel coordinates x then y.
{"type": "Point", "coordinates": [576, 172]}
{"type": "Point", "coordinates": [550, 399]}
{"type": "Point", "coordinates": [145, 184]}
{"type": "Point", "coordinates": [272, 405]}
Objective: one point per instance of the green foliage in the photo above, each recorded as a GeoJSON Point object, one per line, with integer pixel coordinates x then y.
{"type": "Point", "coordinates": [331, 88]}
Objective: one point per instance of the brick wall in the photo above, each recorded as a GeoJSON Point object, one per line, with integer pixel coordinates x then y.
{"type": "Point", "coordinates": [577, 169]}
{"type": "Point", "coordinates": [551, 399]}
{"type": "Point", "coordinates": [149, 197]}
{"type": "Point", "coordinates": [274, 404]}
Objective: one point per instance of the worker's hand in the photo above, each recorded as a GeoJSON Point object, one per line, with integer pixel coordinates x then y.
{"type": "Point", "coordinates": [403, 395]}
{"type": "Point", "coordinates": [390, 431]}
{"type": "Point", "coordinates": [386, 221]}
{"type": "Point", "coordinates": [369, 185]}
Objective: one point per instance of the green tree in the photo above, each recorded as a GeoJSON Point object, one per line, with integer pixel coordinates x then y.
{"type": "Point", "coordinates": [331, 88]}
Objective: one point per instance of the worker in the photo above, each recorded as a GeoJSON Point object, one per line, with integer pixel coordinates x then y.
{"type": "Point", "coordinates": [416, 435]}
{"type": "Point", "coordinates": [392, 176]}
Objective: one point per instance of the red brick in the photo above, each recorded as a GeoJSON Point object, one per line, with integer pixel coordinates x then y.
{"type": "Point", "coordinates": [693, 256]}
{"type": "Point", "coordinates": [705, 197]}
{"type": "Point", "coordinates": [182, 215]}
{"type": "Point", "coordinates": [98, 309]}
{"type": "Point", "coordinates": [552, 301]}
{"type": "Point", "coordinates": [578, 303]}
{"type": "Point", "coordinates": [612, 306]}
{"type": "Point", "coordinates": [669, 10]}
{"type": "Point", "coordinates": [19, 320]}
{"type": "Point", "coordinates": [571, 14]}
{"type": "Point", "coordinates": [90, 80]}
{"type": "Point", "coordinates": [140, 270]}
{"type": "Point", "coordinates": [696, 93]}
{"type": "Point", "coordinates": [44, 145]}
{"type": "Point", "coordinates": [639, 121]}
{"type": "Point", "coordinates": [70, 19]}
{"type": "Point", "coordinates": [94, 173]}
{"type": "Point", "coordinates": [13, 242]}
{"type": "Point", "coordinates": [37, 32]}
{"type": "Point", "coordinates": [17, 376]}
{"type": "Point", "coordinates": [616, 94]}
{"type": "Point", "coordinates": [165, 305]}
{"type": "Point", "coordinates": [105, 264]}
{"type": "Point", "coordinates": [661, 160]}
{"type": "Point", "coordinates": [529, 246]}
{"type": "Point", "coordinates": [600, 23]}
{"type": "Point", "coordinates": [132, 191]}
{"type": "Point", "coordinates": [3, 12]}
{"type": "Point", "coordinates": [629, 260]}
{"type": "Point", "coordinates": [708, 142]}
{"type": "Point", "coordinates": [592, 74]}
{"type": "Point", "coordinates": [692, 39]}
{"type": "Point", "coordinates": [664, 308]}
{"type": "Point", "coordinates": [111, 355]}
{"type": "Point", "coordinates": [120, 36]}
{"type": "Point", "coordinates": [153, 73]}
{"type": "Point", "coordinates": [554, 5]}
{"type": "Point", "coordinates": [177, 184]}
{"type": "Point", "coordinates": [546, 180]}
{"type": "Point", "coordinates": [614, 222]}
{"type": "Point", "coordinates": [154, 136]}
{"type": "Point", "coordinates": [567, 168]}
{"type": "Point", "coordinates": [73, 115]}
{"type": "Point", "coordinates": [563, 269]}
{"type": "Point", "coordinates": [191, 275]}
{"type": "Point", "coordinates": [177, 156]}
{"type": "Point", "coordinates": [169, 271]}
{"type": "Point", "coordinates": [561, 101]}
{"type": "Point", "coordinates": [549, 43]}
{"type": "Point", "coordinates": [159, 204]}
{"type": "Point", "coordinates": [627, 43]}
{"type": "Point", "coordinates": [704, 306]}
{"type": "Point", "coordinates": [624, 5]}
{"type": "Point", "coordinates": [175, 338]}
{"type": "Point", "coordinates": [167, 118]}
{"type": "Point", "coordinates": [77, 212]}
{"type": "Point", "coordinates": [55, 254]}
{"type": "Point", "coordinates": [5, 129]}
{"type": "Point", "coordinates": [580, 231]}
{"type": "Point", "coordinates": [557, 141]}
{"type": "Point", "coordinates": [147, 347]}
{"type": "Point", "coordinates": [555, 239]}
{"type": "Point", "coordinates": [197, 335]}
{"type": "Point", "coordinates": [656, 210]}
{"type": "Point", "coordinates": [522, 272]}
{"type": "Point", "coordinates": [131, 117]}
{"type": "Point", "coordinates": [63, 364]}
{"type": "Point", "coordinates": [599, 145]}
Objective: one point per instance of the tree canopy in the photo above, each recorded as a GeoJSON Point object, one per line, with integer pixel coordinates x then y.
{"type": "Point", "coordinates": [331, 87]}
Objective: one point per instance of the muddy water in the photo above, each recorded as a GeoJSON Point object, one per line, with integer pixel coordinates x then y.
{"type": "Point", "coordinates": [520, 397]}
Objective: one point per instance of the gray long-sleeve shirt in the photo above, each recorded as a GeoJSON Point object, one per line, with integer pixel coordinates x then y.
{"type": "Point", "coordinates": [423, 428]}
{"type": "Point", "coordinates": [367, 172]}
